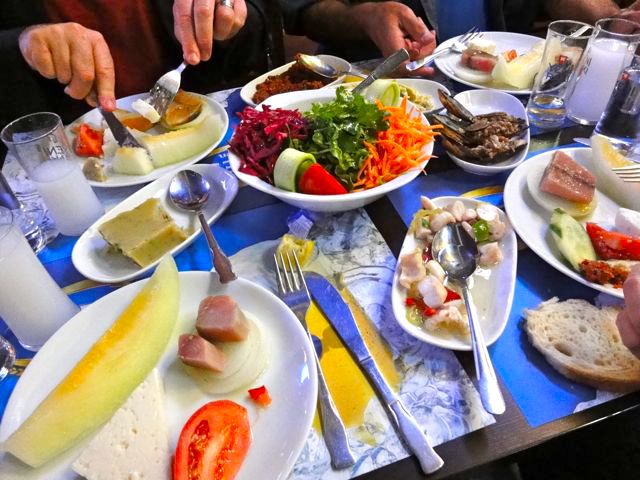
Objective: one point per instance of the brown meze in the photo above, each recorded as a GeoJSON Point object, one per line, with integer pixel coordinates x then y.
{"type": "Point", "coordinates": [195, 351]}
{"type": "Point", "coordinates": [567, 179]}
{"type": "Point", "coordinates": [220, 319]}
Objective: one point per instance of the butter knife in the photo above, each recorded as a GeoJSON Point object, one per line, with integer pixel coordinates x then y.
{"type": "Point", "coordinates": [120, 132]}
{"type": "Point", "coordinates": [385, 68]}
{"type": "Point", "coordinates": [339, 315]}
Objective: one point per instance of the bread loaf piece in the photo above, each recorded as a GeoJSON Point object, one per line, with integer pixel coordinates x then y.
{"type": "Point", "coordinates": [582, 342]}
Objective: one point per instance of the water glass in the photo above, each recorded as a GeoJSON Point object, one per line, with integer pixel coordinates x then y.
{"type": "Point", "coordinates": [611, 48]}
{"type": "Point", "coordinates": [7, 357]}
{"type": "Point", "coordinates": [28, 223]}
{"type": "Point", "coordinates": [31, 302]}
{"type": "Point", "coordinates": [39, 143]}
{"type": "Point", "coordinates": [563, 49]}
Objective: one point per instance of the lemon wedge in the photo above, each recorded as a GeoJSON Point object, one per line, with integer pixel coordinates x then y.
{"type": "Point", "coordinates": [302, 248]}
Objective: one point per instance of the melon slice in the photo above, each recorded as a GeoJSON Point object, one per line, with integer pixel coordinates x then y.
{"type": "Point", "coordinates": [131, 161]}
{"type": "Point", "coordinates": [106, 376]}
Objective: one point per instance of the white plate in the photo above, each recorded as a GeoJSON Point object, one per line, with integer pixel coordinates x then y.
{"type": "Point", "coordinates": [492, 289]}
{"type": "Point", "coordinates": [118, 180]}
{"type": "Point", "coordinates": [279, 431]}
{"type": "Point", "coordinates": [480, 102]}
{"type": "Point", "coordinates": [322, 203]}
{"type": "Point", "coordinates": [248, 91]}
{"type": "Point", "coordinates": [531, 221]}
{"type": "Point", "coordinates": [504, 41]}
{"type": "Point", "coordinates": [94, 260]}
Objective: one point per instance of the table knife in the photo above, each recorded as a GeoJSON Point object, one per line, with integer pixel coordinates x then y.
{"type": "Point", "coordinates": [120, 132]}
{"type": "Point", "coordinates": [339, 315]}
{"type": "Point", "coordinates": [385, 68]}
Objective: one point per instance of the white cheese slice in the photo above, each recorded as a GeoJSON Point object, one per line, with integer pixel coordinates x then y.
{"type": "Point", "coordinates": [134, 444]}
{"type": "Point", "coordinates": [146, 110]}
{"type": "Point", "coordinates": [628, 222]}
{"type": "Point", "coordinates": [483, 45]}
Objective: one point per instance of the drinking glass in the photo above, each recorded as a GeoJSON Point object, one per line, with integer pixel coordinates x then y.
{"type": "Point", "coordinates": [610, 49]}
{"type": "Point", "coordinates": [7, 357]}
{"type": "Point", "coordinates": [39, 143]}
{"type": "Point", "coordinates": [31, 303]}
{"type": "Point", "coordinates": [28, 224]}
{"type": "Point", "coordinates": [563, 48]}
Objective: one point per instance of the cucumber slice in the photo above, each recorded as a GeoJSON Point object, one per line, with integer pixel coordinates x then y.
{"type": "Point", "coordinates": [289, 163]}
{"type": "Point", "coordinates": [387, 91]}
{"type": "Point", "coordinates": [571, 238]}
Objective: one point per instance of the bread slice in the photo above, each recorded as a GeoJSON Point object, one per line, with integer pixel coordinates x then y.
{"type": "Point", "coordinates": [582, 342]}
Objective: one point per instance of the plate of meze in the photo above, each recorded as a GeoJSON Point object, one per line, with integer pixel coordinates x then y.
{"type": "Point", "coordinates": [279, 431]}
{"type": "Point", "coordinates": [207, 135]}
{"type": "Point", "coordinates": [531, 221]}
{"type": "Point", "coordinates": [491, 289]}
{"type": "Point", "coordinates": [95, 259]}
{"type": "Point", "coordinates": [449, 63]}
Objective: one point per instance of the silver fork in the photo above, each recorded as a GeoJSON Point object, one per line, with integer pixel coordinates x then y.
{"type": "Point", "coordinates": [630, 174]}
{"type": "Point", "coordinates": [458, 46]}
{"type": "Point", "coordinates": [293, 291]}
{"type": "Point", "coordinates": [165, 89]}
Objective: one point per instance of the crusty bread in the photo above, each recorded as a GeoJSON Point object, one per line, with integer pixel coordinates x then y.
{"type": "Point", "coordinates": [581, 341]}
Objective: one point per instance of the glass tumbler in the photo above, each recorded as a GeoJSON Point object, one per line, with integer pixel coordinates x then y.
{"type": "Point", "coordinates": [563, 49]}
{"type": "Point", "coordinates": [39, 143]}
{"type": "Point", "coordinates": [31, 302]}
{"type": "Point", "coordinates": [611, 48]}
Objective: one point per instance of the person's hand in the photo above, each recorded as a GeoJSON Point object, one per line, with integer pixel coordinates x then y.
{"type": "Point", "coordinates": [628, 320]}
{"type": "Point", "coordinates": [392, 26]}
{"type": "Point", "coordinates": [197, 23]}
{"type": "Point", "coordinates": [631, 13]}
{"type": "Point", "coordinates": [74, 55]}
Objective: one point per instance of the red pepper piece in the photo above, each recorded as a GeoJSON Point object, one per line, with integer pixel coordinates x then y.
{"type": "Point", "coordinates": [89, 142]}
{"type": "Point", "coordinates": [451, 295]}
{"type": "Point", "coordinates": [260, 395]}
{"type": "Point", "coordinates": [422, 307]}
{"type": "Point", "coordinates": [613, 245]}
{"type": "Point", "coordinates": [317, 181]}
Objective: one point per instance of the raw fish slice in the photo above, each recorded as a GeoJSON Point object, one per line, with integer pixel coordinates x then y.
{"type": "Point", "coordinates": [220, 319]}
{"type": "Point", "coordinates": [195, 351]}
{"type": "Point", "coordinates": [567, 179]}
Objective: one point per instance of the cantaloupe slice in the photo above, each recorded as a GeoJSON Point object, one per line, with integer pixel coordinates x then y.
{"type": "Point", "coordinates": [106, 376]}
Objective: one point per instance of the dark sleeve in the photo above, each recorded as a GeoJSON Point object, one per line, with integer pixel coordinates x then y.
{"type": "Point", "coordinates": [292, 12]}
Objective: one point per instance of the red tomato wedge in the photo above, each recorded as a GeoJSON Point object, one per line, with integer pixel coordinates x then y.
{"type": "Point", "coordinates": [88, 142]}
{"type": "Point", "coordinates": [213, 443]}
{"type": "Point", "coordinates": [613, 245]}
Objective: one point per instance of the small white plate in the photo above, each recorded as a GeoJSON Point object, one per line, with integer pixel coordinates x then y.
{"type": "Point", "coordinates": [322, 203]}
{"type": "Point", "coordinates": [279, 431]}
{"type": "Point", "coordinates": [504, 41]}
{"type": "Point", "coordinates": [492, 289]}
{"type": "Point", "coordinates": [118, 180]}
{"type": "Point", "coordinates": [480, 102]}
{"type": "Point", "coordinates": [531, 221]}
{"type": "Point", "coordinates": [91, 255]}
{"type": "Point", "coordinates": [248, 91]}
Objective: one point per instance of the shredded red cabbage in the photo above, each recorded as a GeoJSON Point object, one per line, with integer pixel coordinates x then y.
{"type": "Point", "coordinates": [262, 135]}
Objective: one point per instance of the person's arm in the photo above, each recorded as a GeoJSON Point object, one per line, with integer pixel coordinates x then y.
{"type": "Point", "coordinates": [628, 320]}
{"type": "Point", "coordinates": [589, 11]}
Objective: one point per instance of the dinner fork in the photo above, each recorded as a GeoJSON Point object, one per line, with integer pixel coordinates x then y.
{"type": "Point", "coordinates": [165, 89]}
{"type": "Point", "coordinates": [629, 174]}
{"type": "Point", "coordinates": [458, 46]}
{"type": "Point", "coordinates": [293, 291]}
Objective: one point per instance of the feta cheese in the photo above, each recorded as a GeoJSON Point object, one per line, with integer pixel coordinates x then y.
{"type": "Point", "coordinates": [134, 444]}
{"type": "Point", "coordinates": [146, 110]}
{"type": "Point", "coordinates": [483, 45]}
{"type": "Point", "coordinates": [628, 222]}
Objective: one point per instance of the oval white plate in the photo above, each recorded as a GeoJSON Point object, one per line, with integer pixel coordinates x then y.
{"type": "Point", "coordinates": [279, 431]}
{"type": "Point", "coordinates": [531, 221]}
{"type": "Point", "coordinates": [321, 203]}
{"type": "Point", "coordinates": [504, 41]}
{"type": "Point", "coordinates": [94, 260]}
{"type": "Point", "coordinates": [118, 180]}
{"type": "Point", "coordinates": [480, 102]}
{"type": "Point", "coordinates": [492, 289]}
{"type": "Point", "coordinates": [248, 91]}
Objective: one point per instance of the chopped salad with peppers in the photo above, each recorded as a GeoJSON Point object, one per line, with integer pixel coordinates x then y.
{"type": "Point", "coordinates": [346, 145]}
{"type": "Point", "coordinates": [431, 302]}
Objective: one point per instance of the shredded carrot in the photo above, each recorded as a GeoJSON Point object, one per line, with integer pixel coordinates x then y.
{"type": "Point", "coordinates": [397, 149]}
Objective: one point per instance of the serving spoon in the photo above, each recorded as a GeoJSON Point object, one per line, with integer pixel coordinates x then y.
{"type": "Point", "coordinates": [190, 191]}
{"type": "Point", "coordinates": [456, 252]}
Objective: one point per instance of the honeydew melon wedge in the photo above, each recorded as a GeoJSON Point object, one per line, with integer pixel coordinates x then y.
{"type": "Point", "coordinates": [106, 376]}
{"type": "Point", "coordinates": [178, 145]}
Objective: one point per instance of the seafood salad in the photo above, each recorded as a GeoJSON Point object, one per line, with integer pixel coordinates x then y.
{"type": "Point", "coordinates": [432, 302]}
{"type": "Point", "coordinates": [486, 139]}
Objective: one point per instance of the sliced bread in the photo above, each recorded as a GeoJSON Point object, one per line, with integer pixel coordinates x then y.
{"type": "Point", "coordinates": [582, 342]}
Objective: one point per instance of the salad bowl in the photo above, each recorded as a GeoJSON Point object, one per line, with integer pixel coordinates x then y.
{"type": "Point", "coordinates": [302, 101]}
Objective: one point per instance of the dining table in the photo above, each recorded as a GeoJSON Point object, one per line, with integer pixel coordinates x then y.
{"type": "Point", "coordinates": [540, 403]}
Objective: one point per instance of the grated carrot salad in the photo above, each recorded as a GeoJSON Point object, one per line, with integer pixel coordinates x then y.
{"type": "Point", "coordinates": [397, 149]}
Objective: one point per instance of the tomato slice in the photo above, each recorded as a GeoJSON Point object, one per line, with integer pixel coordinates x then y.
{"type": "Point", "coordinates": [613, 245]}
{"type": "Point", "coordinates": [213, 443]}
{"type": "Point", "coordinates": [89, 142]}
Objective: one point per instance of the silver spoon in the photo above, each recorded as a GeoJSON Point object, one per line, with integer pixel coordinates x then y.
{"type": "Point", "coordinates": [190, 191]}
{"type": "Point", "coordinates": [456, 251]}
{"type": "Point", "coordinates": [322, 68]}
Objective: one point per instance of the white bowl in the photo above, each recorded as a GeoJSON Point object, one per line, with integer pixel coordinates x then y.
{"type": "Point", "coordinates": [322, 203]}
{"type": "Point", "coordinates": [488, 101]}
{"type": "Point", "coordinates": [248, 91]}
